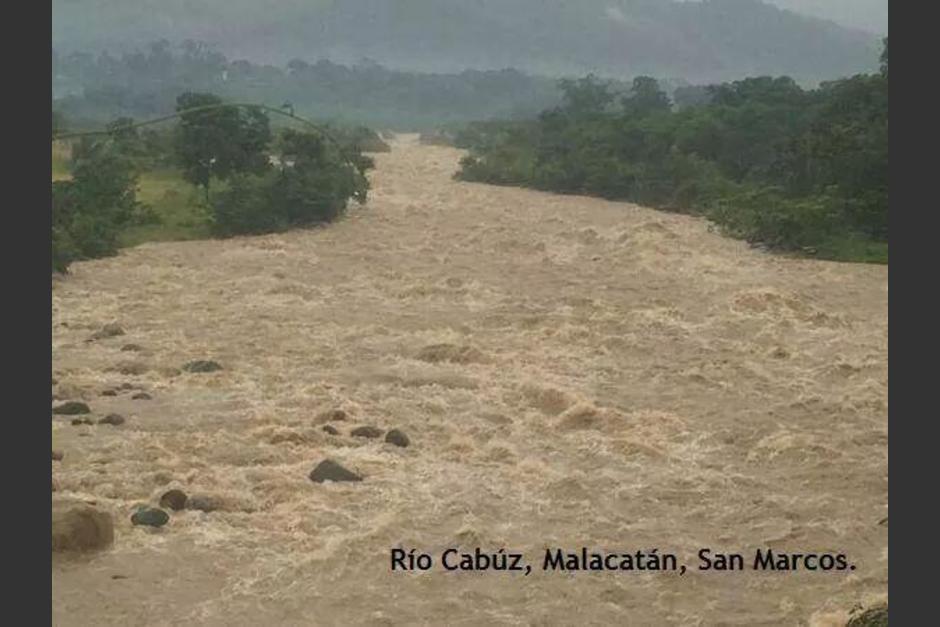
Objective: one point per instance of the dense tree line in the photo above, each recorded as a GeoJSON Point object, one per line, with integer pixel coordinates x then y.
{"type": "Point", "coordinates": [89, 210]}
{"type": "Point", "coordinates": [766, 159]}
{"type": "Point", "coordinates": [92, 89]}
{"type": "Point", "coordinates": [704, 40]}
{"type": "Point", "coordinates": [266, 181]}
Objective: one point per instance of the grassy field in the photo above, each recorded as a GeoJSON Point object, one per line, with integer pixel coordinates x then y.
{"type": "Point", "coordinates": [179, 207]}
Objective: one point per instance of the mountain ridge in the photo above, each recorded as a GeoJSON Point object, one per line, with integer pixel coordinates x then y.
{"type": "Point", "coordinates": [712, 40]}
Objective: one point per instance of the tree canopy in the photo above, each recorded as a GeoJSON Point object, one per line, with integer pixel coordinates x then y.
{"type": "Point", "coordinates": [220, 142]}
{"type": "Point", "coordinates": [770, 161]}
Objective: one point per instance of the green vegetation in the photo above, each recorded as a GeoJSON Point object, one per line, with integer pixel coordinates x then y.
{"type": "Point", "coordinates": [132, 187]}
{"type": "Point", "coordinates": [221, 142]}
{"type": "Point", "coordinates": [794, 169]}
{"type": "Point", "coordinates": [309, 185]}
{"type": "Point", "coordinates": [178, 206]}
{"type": "Point", "coordinates": [90, 209]}
{"type": "Point", "coordinates": [708, 40]}
{"type": "Point", "coordinates": [91, 91]}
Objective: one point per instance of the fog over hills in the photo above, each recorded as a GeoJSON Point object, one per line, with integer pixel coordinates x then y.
{"type": "Point", "coordinates": [711, 40]}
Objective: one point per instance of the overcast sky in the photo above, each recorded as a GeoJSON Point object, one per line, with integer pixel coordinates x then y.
{"type": "Point", "coordinates": [870, 15]}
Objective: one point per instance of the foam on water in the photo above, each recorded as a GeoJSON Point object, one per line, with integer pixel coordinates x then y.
{"type": "Point", "coordinates": [570, 371]}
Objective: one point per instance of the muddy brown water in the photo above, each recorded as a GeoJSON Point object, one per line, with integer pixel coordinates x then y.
{"type": "Point", "coordinates": [570, 372]}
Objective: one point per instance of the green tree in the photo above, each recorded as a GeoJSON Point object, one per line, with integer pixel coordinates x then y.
{"type": "Point", "coordinates": [220, 142]}
{"type": "Point", "coordinates": [762, 157]}
{"type": "Point", "coordinates": [311, 184]}
{"type": "Point", "coordinates": [646, 97]}
{"type": "Point", "coordinates": [89, 210]}
{"type": "Point", "coordinates": [122, 129]}
{"type": "Point", "coordinates": [586, 95]}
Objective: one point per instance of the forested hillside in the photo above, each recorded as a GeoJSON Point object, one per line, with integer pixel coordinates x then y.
{"type": "Point", "coordinates": [707, 41]}
{"type": "Point", "coordinates": [770, 161]}
{"type": "Point", "coordinates": [94, 89]}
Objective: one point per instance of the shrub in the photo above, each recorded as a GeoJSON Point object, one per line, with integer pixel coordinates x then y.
{"type": "Point", "coordinates": [89, 211]}
{"type": "Point", "coordinates": [247, 206]}
{"type": "Point", "coordinates": [312, 184]}
{"type": "Point", "coordinates": [761, 157]}
{"type": "Point", "coordinates": [767, 215]}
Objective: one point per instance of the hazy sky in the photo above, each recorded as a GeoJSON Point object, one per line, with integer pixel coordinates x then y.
{"type": "Point", "coordinates": [551, 37]}
{"type": "Point", "coordinates": [870, 15]}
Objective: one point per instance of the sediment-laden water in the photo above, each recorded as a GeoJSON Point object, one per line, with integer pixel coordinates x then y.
{"type": "Point", "coordinates": [570, 372]}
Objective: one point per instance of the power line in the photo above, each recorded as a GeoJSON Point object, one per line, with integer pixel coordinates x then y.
{"type": "Point", "coordinates": [317, 127]}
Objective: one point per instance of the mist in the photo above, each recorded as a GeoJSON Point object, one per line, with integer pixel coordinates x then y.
{"type": "Point", "coordinates": [868, 15]}
{"type": "Point", "coordinates": [695, 41]}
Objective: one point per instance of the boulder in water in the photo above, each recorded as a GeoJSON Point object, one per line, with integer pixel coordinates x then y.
{"type": "Point", "coordinates": [112, 419]}
{"type": "Point", "coordinates": [71, 408]}
{"type": "Point", "coordinates": [328, 470]}
{"type": "Point", "coordinates": [397, 437]}
{"type": "Point", "coordinates": [80, 527]}
{"type": "Point", "coordinates": [150, 517]}
{"type": "Point", "coordinates": [173, 499]}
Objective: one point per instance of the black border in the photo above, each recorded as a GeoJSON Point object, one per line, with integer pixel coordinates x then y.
{"type": "Point", "coordinates": [28, 264]}
{"type": "Point", "coordinates": [911, 582]}
{"type": "Point", "coordinates": [28, 311]}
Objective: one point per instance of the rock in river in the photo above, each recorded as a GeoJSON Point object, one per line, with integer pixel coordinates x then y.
{"type": "Point", "coordinates": [80, 527]}
{"type": "Point", "coordinates": [112, 419]}
{"type": "Point", "coordinates": [71, 408]}
{"type": "Point", "coordinates": [328, 470]}
{"type": "Point", "coordinates": [150, 517]}
{"type": "Point", "coordinates": [397, 437]}
{"type": "Point", "coordinates": [173, 499]}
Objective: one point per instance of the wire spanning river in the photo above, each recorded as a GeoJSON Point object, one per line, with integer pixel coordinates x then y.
{"type": "Point", "coordinates": [570, 372]}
